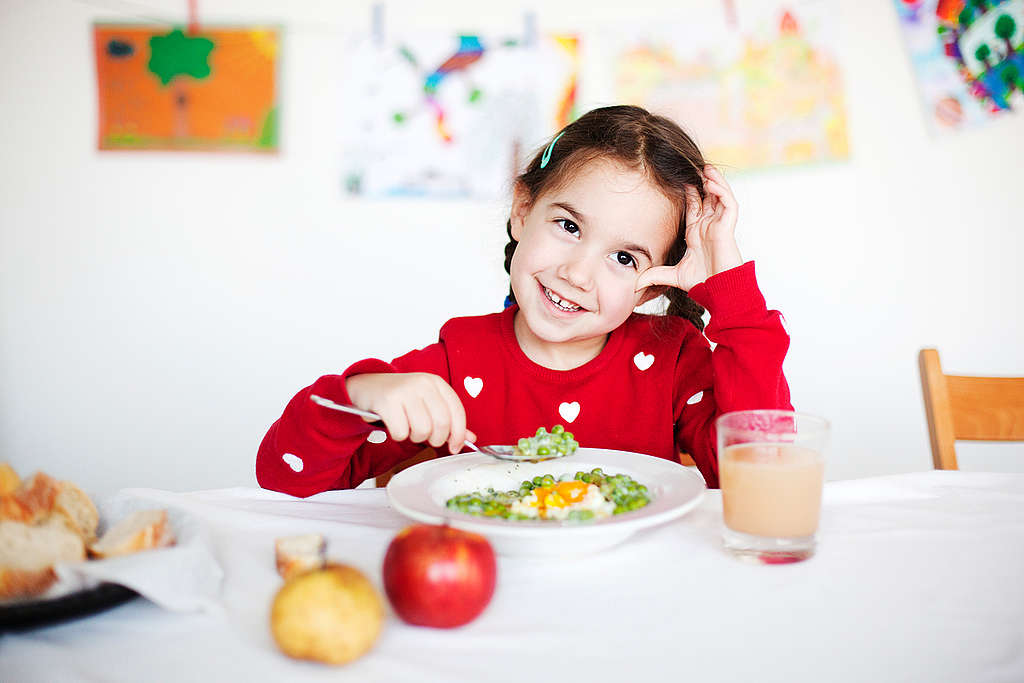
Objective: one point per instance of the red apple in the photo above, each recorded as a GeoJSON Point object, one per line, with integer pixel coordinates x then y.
{"type": "Point", "coordinates": [439, 576]}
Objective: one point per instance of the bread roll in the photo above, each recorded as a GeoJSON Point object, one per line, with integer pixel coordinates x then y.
{"type": "Point", "coordinates": [77, 510]}
{"type": "Point", "coordinates": [28, 553]}
{"type": "Point", "coordinates": [141, 530]}
{"type": "Point", "coordinates": [32, 501]}
{"type": "Point", "coordinates": [9, 479]}
{"type": "Point", "coordinates": [296, 554]}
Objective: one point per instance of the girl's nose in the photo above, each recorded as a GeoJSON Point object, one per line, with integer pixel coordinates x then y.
{"type": "Point", "coordinates": [578, 273]}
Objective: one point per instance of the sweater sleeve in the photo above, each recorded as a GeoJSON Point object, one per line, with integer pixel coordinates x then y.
{"type": "Point", "coordinates": [311, 449]}
{"type": "Point", "coordinates": [745, 368]}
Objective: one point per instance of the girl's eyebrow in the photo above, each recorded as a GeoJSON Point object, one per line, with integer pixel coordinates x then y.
{"type": "Point", "coordinates": [639, 249]}
{"type": "Point", "coordinates": [582, 220]}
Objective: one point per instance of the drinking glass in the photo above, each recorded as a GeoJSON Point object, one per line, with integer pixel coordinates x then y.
{"type": "Point", "coordinates": [771, 468]}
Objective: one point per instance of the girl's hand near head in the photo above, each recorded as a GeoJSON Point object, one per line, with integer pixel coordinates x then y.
{"type": "Point", "coordinates": [710, 237]}
{"type": "Point", "coordinates": [417, 406]}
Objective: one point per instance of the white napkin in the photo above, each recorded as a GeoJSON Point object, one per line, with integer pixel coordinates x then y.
{"type": "Point", "coordinates": [184, 577]}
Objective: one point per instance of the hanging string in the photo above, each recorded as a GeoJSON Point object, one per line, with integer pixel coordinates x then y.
{"type": "Point", "coordinates": [193, 17]}
{"type": "Point", "coordinates": [730, 13]}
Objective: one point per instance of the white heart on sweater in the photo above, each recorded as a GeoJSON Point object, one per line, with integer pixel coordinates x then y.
{"type": "Point", "coordinates": [643, 360]}
{"type": "Point", "coordinates": [377, 436]}
{"type": "Point", "coordinates": [474, 385]}
{"type": "Point", "coordinates": [569, 411]}
{"type": "Point", "coordinates": [293, 461]}
{"type": "Point", "coordinates": [696, 398]}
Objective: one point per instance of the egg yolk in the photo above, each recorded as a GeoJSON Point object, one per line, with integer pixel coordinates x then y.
{"type": "Point", "coordinates": [562, 494]}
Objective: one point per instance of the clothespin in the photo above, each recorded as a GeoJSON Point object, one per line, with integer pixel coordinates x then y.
{"type": "Point", "coordinates": [529, 29]}
{"type": "Point", "coordinates": [377, 24]}
{"type": "Point", "coordinates": [731, 19]}
{"type": "Point", "coordinates": [193, 18]}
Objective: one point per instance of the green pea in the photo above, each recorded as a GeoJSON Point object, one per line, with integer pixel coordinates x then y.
{"type": "Point", "coordinates": [541, 431]}
{"type": "Point", "coordinates": [557, 429]}
{"type": "Point", "coordinates": [538, 481]}
{"type": "Point", "coordinates": [543, 450]}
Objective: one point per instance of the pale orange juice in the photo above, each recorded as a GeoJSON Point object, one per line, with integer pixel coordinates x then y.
{"type": "Point", "coordinates": [771, 489]}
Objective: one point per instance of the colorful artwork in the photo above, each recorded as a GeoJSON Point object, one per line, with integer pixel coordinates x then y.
{"type": "Point", "coordinates": [757, 87]}
{"type": "Point", "coordinates": [452, 115]}
{"type": "Point", "coordinates": [167, 88]}
{"type": "Point", "coordinates": [968, 56]}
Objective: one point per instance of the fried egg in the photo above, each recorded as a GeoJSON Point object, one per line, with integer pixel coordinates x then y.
{"type": "Point", "coordinates": [556, 502]}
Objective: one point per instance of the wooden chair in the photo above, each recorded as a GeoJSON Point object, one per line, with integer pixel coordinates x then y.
{"type": "Point", "coordinates": [968, 408]}
{"type": "Point", "coordinates": [427, 453]}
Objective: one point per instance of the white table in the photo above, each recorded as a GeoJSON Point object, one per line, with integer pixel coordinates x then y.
{"type": "Point", "coordinates": [918, 577]}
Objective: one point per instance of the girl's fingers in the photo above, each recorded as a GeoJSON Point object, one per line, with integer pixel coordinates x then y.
{"type": "Point", "coordinates": [457, 413]}
{"type": "Point", "coordinates": [440, 415]}
{"type": "Point", "coordinates": [418, 414]}
{"type": "Point", "coordinates": [693, 205]}
{"type": "Point", "coordinates": [721, 190]}
{"type": "Point", "coordinates": [396, 422]}
{"type": "Point", "coordinates": [657, 275]}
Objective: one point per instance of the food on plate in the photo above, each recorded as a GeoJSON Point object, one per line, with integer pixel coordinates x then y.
{"type": "Point", "coordinates": [44, 522]}
{"type": "Point", "coordinates": [28, 553]}
{"type": "Point", "coordinates": [545, 444]}
{"type": "Point", "coordinates": [140, 530]}
{"type": "Point", "coordinates": [296, 554]}
{"type": "Point", "coordinates": [332, 615]}
{"type": "Point", "coordinates": [439, 576]}
{"type": "Point", "coordinates": [587, 496]}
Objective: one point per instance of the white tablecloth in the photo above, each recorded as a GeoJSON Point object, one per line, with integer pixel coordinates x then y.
{"type": "Point", "coordinates": [918, 577]}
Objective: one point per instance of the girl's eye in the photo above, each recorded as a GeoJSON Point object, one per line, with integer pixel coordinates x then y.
{"type": "Point", "coordinates": [624, 258]}
{"type": "Point", "coordinates": [568, 226]}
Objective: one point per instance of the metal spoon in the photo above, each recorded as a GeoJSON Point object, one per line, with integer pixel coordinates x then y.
{"type": "Point", "coordinates": [499, 452]}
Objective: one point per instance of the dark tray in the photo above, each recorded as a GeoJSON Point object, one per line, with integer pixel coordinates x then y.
{"type": "Point", "coordinates": [26, 615]}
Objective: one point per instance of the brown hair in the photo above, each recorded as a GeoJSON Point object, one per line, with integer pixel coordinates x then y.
{"type": "Point", "coordinates": [639, 140]}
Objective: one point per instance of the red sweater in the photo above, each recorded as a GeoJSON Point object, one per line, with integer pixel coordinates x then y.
{"type": "Point", "coordinates": [656, 388]}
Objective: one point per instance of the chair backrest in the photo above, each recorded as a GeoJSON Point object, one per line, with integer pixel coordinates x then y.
{"type": "Point", "coordinates": [968, 408]}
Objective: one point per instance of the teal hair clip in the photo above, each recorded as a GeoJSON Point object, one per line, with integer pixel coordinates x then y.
{"type": "Point", "coordinates": [547, 153]}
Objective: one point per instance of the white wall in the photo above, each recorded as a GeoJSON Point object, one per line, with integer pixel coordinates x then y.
{"type": "Point", "coordinates": [158, 310]}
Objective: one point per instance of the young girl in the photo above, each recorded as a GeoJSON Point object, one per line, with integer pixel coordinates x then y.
{"type": "Point", "coordinates": [618, 209]}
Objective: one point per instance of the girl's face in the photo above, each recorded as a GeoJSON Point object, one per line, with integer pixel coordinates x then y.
{"type": "Point", "coordinates": [581, 248]}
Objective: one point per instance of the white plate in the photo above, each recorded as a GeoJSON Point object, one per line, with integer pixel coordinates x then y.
{"type": "Point", "coordinates": [420, 492]}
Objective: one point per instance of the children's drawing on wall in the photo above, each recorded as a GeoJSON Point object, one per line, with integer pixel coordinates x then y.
{"type": "Point", "coordinates": [968, 56]}
{"type": "Point", "coordinates": [758, 86]}
{"type": "Point", "coordinates": [451, 115]}
{"type": "Point", "coordinates": [212, 89]}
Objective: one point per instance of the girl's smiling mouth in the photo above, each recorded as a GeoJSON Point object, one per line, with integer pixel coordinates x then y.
{"type": "Point", "coordinates": [558, 303]}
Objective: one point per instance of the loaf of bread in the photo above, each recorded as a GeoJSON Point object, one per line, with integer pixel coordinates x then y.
{"type": "Point", "coordinates": [32, 501]}
{"type": "Point", "coordinates": [297, 554]}
{"type": "Point", "coordinates": [141, 530]}
{"type": "Point", "coordinates": [28, 553]}
{"type": "Point", "coordinates": [44, 522]}
{"type": "Point", "coordinates": [9, 479]}
{"type": "Point", "coordinates": [77, 511]}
